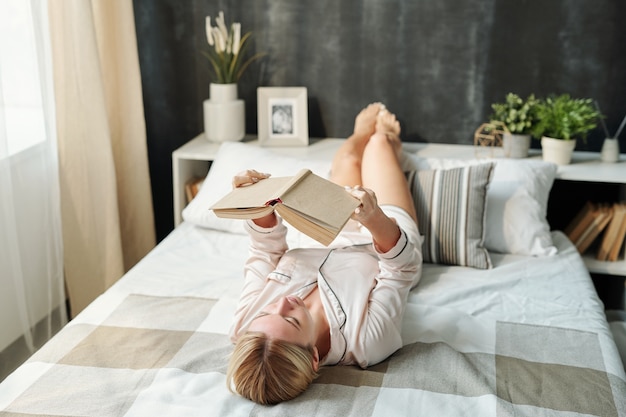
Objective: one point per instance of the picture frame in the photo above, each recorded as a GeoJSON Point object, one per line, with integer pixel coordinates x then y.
{"type": "Point", "coordinates": [282, 116]}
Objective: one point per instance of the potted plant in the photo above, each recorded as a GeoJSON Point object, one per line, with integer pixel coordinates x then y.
{"type": "Point", "coordinates": [224, 114]}
{"type": "Point", "coordinates": [561, 120]}
{"type": "Point", "coordinates": [518, 116]}
{"type": "Point", "coordinates": [227, 52]}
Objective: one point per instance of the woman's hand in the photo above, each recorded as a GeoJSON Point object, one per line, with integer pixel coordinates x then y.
{"type": "Point", "coordinates": [248, 177]}
{"type": "Point", "coordinates": [384, 229]}
{"type": "Point", "coordinates": [369, 205]}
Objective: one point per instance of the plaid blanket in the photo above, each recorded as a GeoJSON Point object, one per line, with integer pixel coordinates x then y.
{"type": "Point", "coordinates": [151, 350]}
{"type": "Point", "coordinates": [155, 354]}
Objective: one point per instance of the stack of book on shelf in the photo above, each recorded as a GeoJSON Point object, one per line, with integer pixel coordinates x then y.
{"type": "Point", "coordinates": [602, 223]}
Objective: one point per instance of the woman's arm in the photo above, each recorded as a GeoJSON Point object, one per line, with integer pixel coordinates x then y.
{"type": "Point", "coordinates": [384, 229]}
{"type": "Point", "coordinates": [400, 265]}
{"type": "Point", "coordinates": [399, 270]}
{"type": "Point", "coordinates": [267, 245]}
{"type": "Point", "coordinates": [249, 177]}
{"type": "Point", "coordinates": [267, 234]}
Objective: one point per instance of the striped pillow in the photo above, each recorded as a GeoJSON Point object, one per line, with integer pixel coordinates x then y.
{"type": "Point", "coordinates": [450, 207]}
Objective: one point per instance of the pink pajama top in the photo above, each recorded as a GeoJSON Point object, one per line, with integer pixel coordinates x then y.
{"type": "Point", "coordinates": [363, 292]}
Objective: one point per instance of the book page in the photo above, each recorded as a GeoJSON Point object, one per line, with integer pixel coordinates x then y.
{"type": "Point", "coordinates": [307, 226]}
{"type": "Point", "coordinates": [254, 195]}
{"type": "Point", "coordinates": [322, 200]}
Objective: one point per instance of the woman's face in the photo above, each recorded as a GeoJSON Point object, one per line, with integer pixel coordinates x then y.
{"type": "Point", "coordinates": [287, 319]}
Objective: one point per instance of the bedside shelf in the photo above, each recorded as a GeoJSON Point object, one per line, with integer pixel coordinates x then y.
{"type": "Point", "coordinates": [603, 267]}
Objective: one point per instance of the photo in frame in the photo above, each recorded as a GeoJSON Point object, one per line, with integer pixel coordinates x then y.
{"type": "Point", "coordinates": [283, 116]}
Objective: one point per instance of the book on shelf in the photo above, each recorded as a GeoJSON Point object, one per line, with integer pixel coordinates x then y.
{"type": "Point", "coordinates": [587, 225]}
{"type": "Point", "coordinates": [580, 222]}
{"type": "Point", "coordinates": [192, 187]}
{"type": "Point", "coordinates": [614, 235]}
{"type": "Point", "coordinates": [620, 241]}
{"type": "Point", "coordinates": [314, 205]}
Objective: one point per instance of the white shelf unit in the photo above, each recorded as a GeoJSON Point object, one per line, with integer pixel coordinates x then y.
{"type": "Point", "coordinates": [194, 158]}
{"type": "Point", "coordinates": [587, 167]}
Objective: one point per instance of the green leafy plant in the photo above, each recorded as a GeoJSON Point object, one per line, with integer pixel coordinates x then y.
{"type": "Point", "coordinates": [564, 117]}
{"type": "Point", "coordinates": [517, 114]}
{"type": "Point", "coordinates": [227, 51]}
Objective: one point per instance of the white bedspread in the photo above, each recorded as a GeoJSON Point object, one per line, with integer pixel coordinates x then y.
{"type": "Point", "coordinates": [527, 338]}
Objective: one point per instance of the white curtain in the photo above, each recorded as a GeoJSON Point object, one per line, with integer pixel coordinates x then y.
{"type": "Point", "coordinates": [106, 200]}
{"type": "Point", "coordinates": [32, 300]}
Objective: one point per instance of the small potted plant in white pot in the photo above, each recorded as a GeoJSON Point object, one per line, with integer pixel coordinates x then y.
{"type": "Point", "coordinates": [224, 113]}
{"type": "Point", "coordinates": [561, 120]}
{"type": "Point", "coordinates": [518, 116]}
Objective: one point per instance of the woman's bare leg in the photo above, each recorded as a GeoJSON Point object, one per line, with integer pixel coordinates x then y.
{"type": "Point", "coordinates": [381, 170]}
{"type": "Point", "coordinates": [346, 164]}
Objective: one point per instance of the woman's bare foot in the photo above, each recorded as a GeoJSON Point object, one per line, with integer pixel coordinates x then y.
{"type": "Point", "coordinates": [387, 124]}
{"type": "Point", "coordinates": [365, 121]}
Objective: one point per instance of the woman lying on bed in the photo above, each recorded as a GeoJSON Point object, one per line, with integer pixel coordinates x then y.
{"type": "Point", "coordinates": [309, 307]}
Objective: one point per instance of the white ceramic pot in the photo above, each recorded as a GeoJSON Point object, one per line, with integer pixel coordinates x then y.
{"type": "Point", "coordinates": [558, 151]}
{"type": "Point", "coordinates": [224, 114]}
{"type": "Point", "coordinates": [515, 146]}
{"type": "Point", "coordinates": [610, 150]}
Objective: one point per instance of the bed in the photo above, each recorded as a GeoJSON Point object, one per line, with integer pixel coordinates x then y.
{"type": "Point", "coordinates": [522, 335]}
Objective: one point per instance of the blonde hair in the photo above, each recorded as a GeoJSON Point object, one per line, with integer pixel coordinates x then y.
{"type": "Point", "coordinates": [269, 371]}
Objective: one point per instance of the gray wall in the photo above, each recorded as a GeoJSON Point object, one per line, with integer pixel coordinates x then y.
{"type": "Point", "coordinates": [437, 64]}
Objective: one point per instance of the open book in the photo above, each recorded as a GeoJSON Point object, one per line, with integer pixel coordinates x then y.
{"type": "Point", "coordinates": [317, 207]}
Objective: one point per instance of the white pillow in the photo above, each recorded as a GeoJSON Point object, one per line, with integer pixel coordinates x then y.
{"type": "Point", "coordinates": [517, 202]}
{"type": "Point", "coordinates": [232, 158]}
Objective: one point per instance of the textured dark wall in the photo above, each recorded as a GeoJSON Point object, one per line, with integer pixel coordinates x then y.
{"type": "Point", "coordinates": [437, 64]}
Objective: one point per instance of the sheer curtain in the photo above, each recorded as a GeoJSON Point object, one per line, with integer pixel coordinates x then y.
{"type": "Point", "coordinates": [32, 300]}
{"type": "Point", "coordinates": [75, 199]}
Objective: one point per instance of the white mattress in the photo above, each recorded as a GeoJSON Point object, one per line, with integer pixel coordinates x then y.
{"type": "Point", "coordinates": [528, 337]}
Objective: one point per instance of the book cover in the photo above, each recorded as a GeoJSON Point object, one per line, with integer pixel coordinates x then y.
{"type": "Point", "coordinates": [610, 237]}
{"type": "Point", "coordinates": [192, 187]}
{"type": "Point", "coordinates": [580, 222]}
{"type": "Point", "coordinates": [620, 237]}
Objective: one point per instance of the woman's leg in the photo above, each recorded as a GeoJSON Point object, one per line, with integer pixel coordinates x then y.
{"type": "Point", "coordinates": [381, 170]}
{"type": "Point", "coordinates": [346, 164]}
